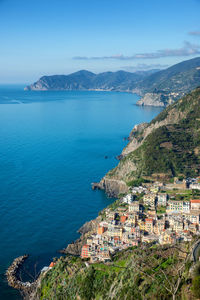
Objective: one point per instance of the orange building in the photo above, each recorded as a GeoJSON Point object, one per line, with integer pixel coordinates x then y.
{"type": "Point", "coordinates": [52, 264]}
{"type": "Point", "coordinates": [123, 219]}
{"type": "Point", "coordinates": [101, 229]}
{"type": "Point", "coordinates": [195, 204]}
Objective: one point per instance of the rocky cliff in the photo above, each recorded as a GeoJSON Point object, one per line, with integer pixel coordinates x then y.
{"type": "Point", "coordinates": [112, 186]}
{"type": "Point", "coordinates": [86, 230]}
{"type": "Point", "coordinates": [156, 99]}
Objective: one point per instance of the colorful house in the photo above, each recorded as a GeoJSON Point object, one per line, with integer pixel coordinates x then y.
{"type": "Point", "coordinates": [195, 204]}
{"type": "Point", "coordinates": [85, 253]}
{"type": "Point", "coordinates": [149, 225]}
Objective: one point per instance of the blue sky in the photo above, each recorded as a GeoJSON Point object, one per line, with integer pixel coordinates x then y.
{"type": "Point", "coordinates": [59, 37]}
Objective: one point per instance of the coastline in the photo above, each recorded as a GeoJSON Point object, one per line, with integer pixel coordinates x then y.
{"type": "Point", "coordinates": [74, 247]}
{"type": "Point", "coordinates": [135, 91]}
{"type": "Point", "coordinates": [146, 99]}
{"type": "Point", "coordinates": [88, 228]}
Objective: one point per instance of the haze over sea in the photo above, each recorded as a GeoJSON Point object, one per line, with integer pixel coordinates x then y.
{"type": "Point", "coordinates": [52, 146]}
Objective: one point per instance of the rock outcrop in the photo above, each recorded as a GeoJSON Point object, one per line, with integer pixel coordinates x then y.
{"type": "Point", "coordinates": [155, 99]}
{"type": "Point", "coordinates": [112, 187]}
{"type": "Point", "coordinates": [86, 230]}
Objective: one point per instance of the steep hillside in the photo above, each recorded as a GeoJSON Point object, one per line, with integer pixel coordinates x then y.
{"type": "Point", "coordinates": [169, 145]}
{"type": "Point", "coordinates": [150, 272]}
{"type": "Point", "coordinates": [75, 81]}
{"type": "Point", "coordinates": [178, 78]}
{"type": "Point", "coordinates": [164, 87]}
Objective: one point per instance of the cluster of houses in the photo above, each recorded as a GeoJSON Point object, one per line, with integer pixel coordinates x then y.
{"type": "Point", "coordinates": [156, 217]}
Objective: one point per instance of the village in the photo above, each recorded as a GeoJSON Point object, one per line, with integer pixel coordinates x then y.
{"type": "Point", "coordinates": [151, 213]}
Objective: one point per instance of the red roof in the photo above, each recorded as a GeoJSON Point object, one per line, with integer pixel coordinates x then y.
{"type": "Point", "coordinates": [195, 201]}
{"type": "Point", "coordinates": [85, 246]}
{"type": "Point", "coordinates": [52, 264]}
{"type": "Point", "coordinates": [149, 220]}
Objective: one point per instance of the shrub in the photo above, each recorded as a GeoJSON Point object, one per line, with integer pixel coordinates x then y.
{"type": "Point", "coordinates": [196, 286]}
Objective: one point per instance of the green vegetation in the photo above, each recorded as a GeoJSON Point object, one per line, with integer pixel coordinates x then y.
{"type": "Point", "coordinates": [195, 286]}
{"type": "Point", "coordinates": [195, 194]}
{"type": "Point", "coordinates": [181, 78]}
{"type": "Point", "coordinates": [120, 80]}
{"type": "Point", "coordinates": [152, 272]}
{"type": "Point", "coordinates": [114, 205]}
{"type": "Point", "coordinates": [161, 210]}
{"type": "Point", "coordinates": [137, 182]}
{"type": "Point", "coordinates": [181, 195]}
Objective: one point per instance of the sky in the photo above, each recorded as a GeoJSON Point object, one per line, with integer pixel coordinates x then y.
{"type": "Point", "coordinates": [46, 37]}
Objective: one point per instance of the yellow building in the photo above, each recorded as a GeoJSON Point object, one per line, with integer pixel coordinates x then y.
{"type": "Point", "coordinates": [141, 225]}
{"type": "Point", "coordinates": [175, 206]}
{"type": "Point", "coordinates": [149, 200]}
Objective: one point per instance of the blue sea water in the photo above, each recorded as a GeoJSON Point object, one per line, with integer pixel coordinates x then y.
{"type": "Point", "coordinates": [52, 146]}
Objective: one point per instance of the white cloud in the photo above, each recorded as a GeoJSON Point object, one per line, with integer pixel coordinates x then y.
{"type": "Point", "coordinates": [188, 49]}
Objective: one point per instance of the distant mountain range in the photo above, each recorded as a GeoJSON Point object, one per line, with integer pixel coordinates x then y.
{"type": "Point", "coordinates": [158, 87]}
{"type": "Point", "coordinates": [85, 80]}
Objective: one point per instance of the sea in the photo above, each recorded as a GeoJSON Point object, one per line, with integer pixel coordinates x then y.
{"type": "Point", "coordinates": [53, 145]}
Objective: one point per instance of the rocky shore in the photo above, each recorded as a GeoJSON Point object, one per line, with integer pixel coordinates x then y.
{"type": "Point", "coordinates": [86, 230]}
{"type": "Point", "coordinates": [153, 99]}
{"type": "Point", "coordinates": [112, 187]}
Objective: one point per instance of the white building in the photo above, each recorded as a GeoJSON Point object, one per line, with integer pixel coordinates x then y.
{"type": "Point", "coordinates": [162, 199]}
{"type": "Point", "coordinates": [134, 207]}
{"type": "Point", "coordinates": [186, 206]}
{"type": "Point", "coordinates": [195, 186]}
{"type": "Point", "coordinates": [128, 198]}
{"type": "Point", "coordinates": [149, 199]}
{"type": "Point", "coordinates": [139, 190]}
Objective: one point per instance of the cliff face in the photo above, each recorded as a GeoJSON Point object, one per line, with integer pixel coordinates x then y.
{"type": "Point", "coordinates": [113, 186]}
{"type": "Point", "coordinates": [156, 99]}
{"type": "Point", "coordinates": [169, 144]}
{"type": "Point", "coordinates": [40, 85]}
